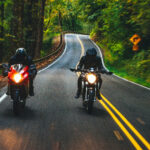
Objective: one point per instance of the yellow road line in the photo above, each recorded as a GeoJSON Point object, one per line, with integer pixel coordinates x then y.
{"type": "Point", "coordinates": [118, 135]}
{"type": "Point", "coordinates": [128, 135]}
{"type": "Point", "coordinates": [143, 140]}
{"type": "Point", "coordinates": [82, 52]}
{"type": "Point", "coordinates": [82, 48]}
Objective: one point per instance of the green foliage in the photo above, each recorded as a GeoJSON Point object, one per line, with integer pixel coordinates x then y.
{"type": "Point", "coordinates": [111, 23]}
{"type": "Point", "coordinates": [139, 65]}
{"type": "Point", "coordinates": [62, 16]}
{"type": "Point", "coordinates": [116, 49]}
{"type": "Point", "coordinates": [47, 43]}
{"type": "Point", "coordinates": [115, 22]}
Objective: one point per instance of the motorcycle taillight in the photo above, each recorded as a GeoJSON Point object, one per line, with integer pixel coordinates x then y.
{"type": "Point", "coordinates": [26, 75]}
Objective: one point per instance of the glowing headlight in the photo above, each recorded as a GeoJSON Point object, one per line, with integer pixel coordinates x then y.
{"type": "Point", "coordinates": [91, 78]}
{"type": "Point", "coordinates": [17, 78]}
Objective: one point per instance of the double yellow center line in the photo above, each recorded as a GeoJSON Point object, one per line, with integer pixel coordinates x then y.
{"type": "Point", "coordinates": [129, 136]}
{"type": "Point", "coordinates": [105, 103]}
{"type": "Point", "coordinates": [128, 124]}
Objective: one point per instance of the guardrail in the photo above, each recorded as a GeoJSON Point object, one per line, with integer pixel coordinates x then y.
{"type": "Point", "coordinates": [36, 61]}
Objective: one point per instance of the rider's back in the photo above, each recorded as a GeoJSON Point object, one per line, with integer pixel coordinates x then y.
{"type": "Point", "coordinates": [88, 62]}
{"type": "Point", "coordinates": [18, 60]}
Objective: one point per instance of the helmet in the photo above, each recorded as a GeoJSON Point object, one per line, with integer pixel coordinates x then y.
{"type": "Point", "coordinates": [91, 52]}
{"type": "Point", "coordinates": [21, 52]}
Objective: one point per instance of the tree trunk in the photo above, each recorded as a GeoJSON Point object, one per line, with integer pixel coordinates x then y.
{"type": "Point", "coordinates": [50, 10]}
{"type": "Point", "coordinates": [60, 21]}
{"type": "Point", "coordinates": [1, 28]}
{"type": "Point", "coordinates": [35, 20]}
{"type": "Point", "coordinates": [29, 29]}
{"type": "Point", "coordinates": [15, 23]}
{"type": "Point", "coordinates": [21, 23]}
{"type": "Point", "coordinates": [18, 23]}
{"type": "Point", "coordinates": [39, 41]}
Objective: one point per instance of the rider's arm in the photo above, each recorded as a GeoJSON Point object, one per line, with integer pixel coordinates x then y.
{"type": "Point", "coordinates": [81, 63]}
{"type": "Point", "coordinates": [100, 65]}
{"type": "Point", "coordinates": [32, 66]}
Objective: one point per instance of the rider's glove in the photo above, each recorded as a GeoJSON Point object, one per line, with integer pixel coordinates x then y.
{"type": "Point", "coordinates": [78, 68]}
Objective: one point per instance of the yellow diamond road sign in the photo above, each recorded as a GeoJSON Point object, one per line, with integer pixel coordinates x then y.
{"type": "Point", "coordinates": [135, 39]}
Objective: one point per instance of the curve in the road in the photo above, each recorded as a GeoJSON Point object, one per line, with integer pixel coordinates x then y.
{"type": "Point", "coordinates": [4, 96]}
{"type": "Point", "coordinates": [115, 74]}
{"type": "Point", "coordinates": [54, 120]}
{"type": "Point", "coordinates": [129, 136]}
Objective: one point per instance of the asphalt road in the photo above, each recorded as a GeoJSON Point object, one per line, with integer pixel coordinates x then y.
{"type": "Point", "coordinates": [54, 120]}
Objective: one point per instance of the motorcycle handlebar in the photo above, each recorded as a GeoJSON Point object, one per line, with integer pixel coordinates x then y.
{"type": "Point", "coordinates": [86, 70]}
{"type": "Point", "coordinates": [78, 70]}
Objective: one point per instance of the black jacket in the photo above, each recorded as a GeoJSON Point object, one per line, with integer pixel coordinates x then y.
{"type": "Point", "coordinates": [25, 61]}
{"type": "Point", "coordinates": [87, 62]}
{"type": "Point", "coordinates": [19, 60]}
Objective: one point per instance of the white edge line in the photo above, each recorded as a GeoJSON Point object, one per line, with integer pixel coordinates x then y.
{"type": "Point", "coordinates": [115, 74]}
{"type": "Point", "coordinates": [132, 82]}
{"type": "Point", "coordinates": [56, 59]}
{"type": "Point", "coordinates": [4, 95]}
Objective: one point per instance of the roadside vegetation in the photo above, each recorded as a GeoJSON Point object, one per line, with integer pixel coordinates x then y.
{"type": "Point", "coordinates": [33, 24]}
{"type": "Point", "coordinates": [115, 22]}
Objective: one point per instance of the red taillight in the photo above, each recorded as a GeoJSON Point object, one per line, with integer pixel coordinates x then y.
{"type": "Point", "coordinates": [17, 77]}
{"type": "Point", "coordinates": [25, 75]}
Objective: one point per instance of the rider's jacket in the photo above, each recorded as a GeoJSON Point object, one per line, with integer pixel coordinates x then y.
{"type": "Point", "coordinates": [27, 60]}
{"type": "Point", "coordinates": [87, 62]}
{"type": "Point", "coordinates": [21, 60]}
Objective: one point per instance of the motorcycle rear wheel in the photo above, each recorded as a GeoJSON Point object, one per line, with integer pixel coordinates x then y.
{"type": "Point", "coordinates": [16, 104]}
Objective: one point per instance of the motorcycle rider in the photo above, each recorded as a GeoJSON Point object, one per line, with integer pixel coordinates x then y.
{"type": "Point", "coordinates": [90, 60]}
{"type": "Point", "coordinates": [21, 57]}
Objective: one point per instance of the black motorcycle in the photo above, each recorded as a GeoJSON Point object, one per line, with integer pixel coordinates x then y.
{"type": "Point", "coordinates": [90, 84]}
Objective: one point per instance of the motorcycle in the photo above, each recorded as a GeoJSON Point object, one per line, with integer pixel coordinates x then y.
{"type": "Point", "coordinates": [89, 86]}
{"type": "Point", "coordinates": [18, 85]}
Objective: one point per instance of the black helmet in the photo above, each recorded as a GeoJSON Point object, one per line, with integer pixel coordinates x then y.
{"type": "Point", "coordinates": [91, 52]}
{"type": "Point", "coordinates": [21, 52]}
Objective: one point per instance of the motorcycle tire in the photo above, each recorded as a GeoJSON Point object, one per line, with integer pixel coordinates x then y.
{"type": "Point", "coordinates": [90, 103]}
{"type": "Point", "coordinates": [16, 104]}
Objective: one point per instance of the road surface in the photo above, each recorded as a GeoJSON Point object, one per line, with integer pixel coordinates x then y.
{"type": "Point", "coordinates": [54, 120]}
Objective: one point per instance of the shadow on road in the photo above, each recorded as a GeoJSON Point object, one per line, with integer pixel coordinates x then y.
{"type": "Point", "coordinates": [26, 114]}
{"type": "Point", "coordinates": [97, 112]}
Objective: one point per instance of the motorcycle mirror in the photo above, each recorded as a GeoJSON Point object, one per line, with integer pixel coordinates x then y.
{"type": "Point", "coordinates": [5, 70]}
{"type": "Point", "coordinates": [5, 65]}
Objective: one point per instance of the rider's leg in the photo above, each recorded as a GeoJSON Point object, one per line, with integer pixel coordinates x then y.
{"type": "Point", "coordinates": [31, 87]}
{"type": "Point", "coordinates": [8, 90]}
{"type": "Point", "coordinates": [32, 75]}
{"type": "Point", "coordinates": [79, 87]}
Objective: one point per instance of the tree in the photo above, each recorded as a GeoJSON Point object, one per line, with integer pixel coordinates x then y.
{"type": "Point", "coordinates": [1, 28]}
{"type": "Point", "coordinates": [40, 28]}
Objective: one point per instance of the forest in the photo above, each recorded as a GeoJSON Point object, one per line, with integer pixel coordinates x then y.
{"type": "Point", "coordinates": [111, 23]}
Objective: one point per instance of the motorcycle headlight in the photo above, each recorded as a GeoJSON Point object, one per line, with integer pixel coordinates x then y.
{"type": "Point", "coordinates": [17, 77]}
{"type": "Point", "coordinates": [91, 78]}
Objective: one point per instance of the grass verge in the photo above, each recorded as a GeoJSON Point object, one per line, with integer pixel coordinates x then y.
{"type": "Point", "coordinates": [122, 69]}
